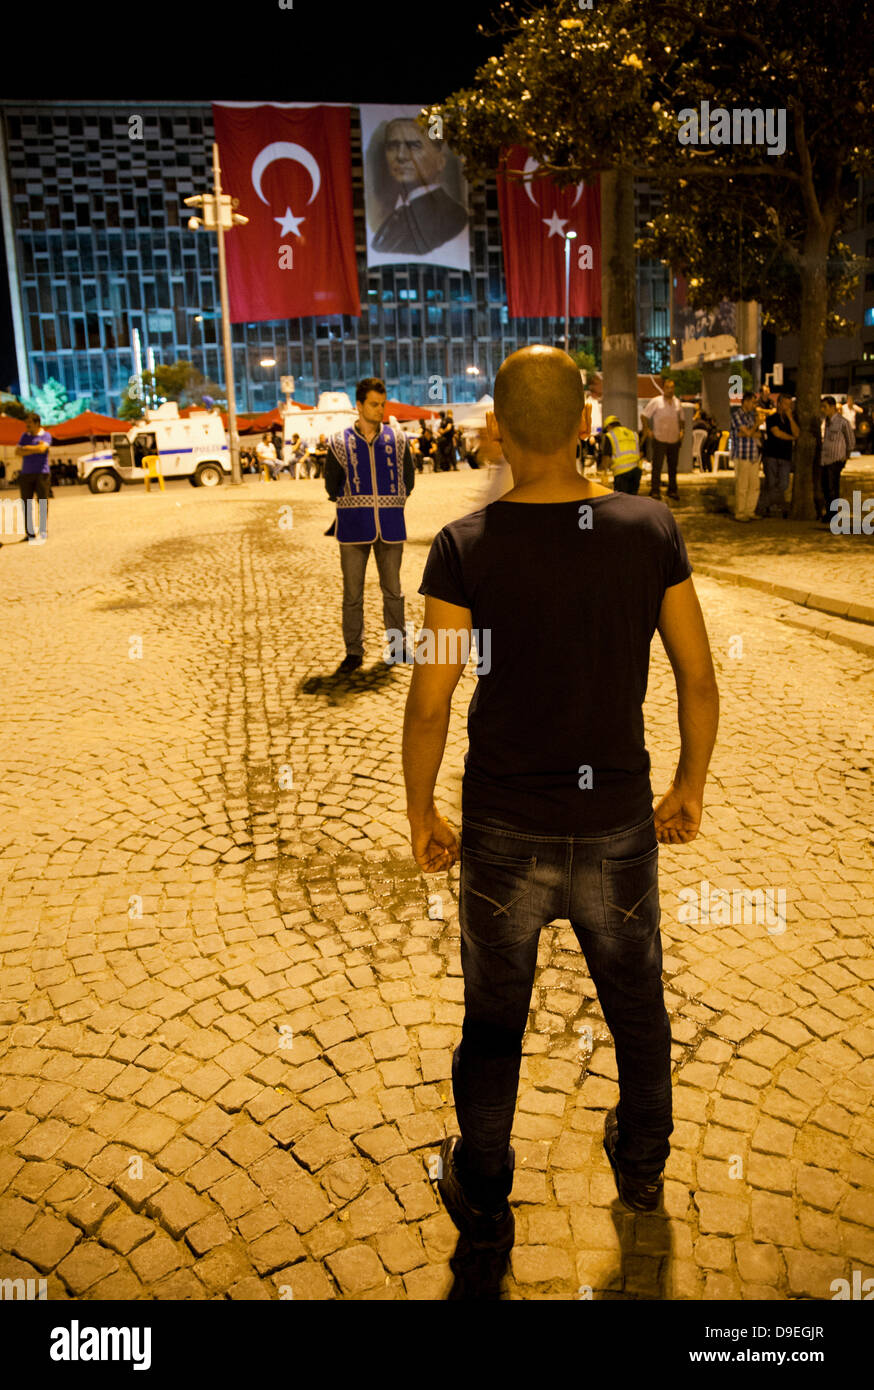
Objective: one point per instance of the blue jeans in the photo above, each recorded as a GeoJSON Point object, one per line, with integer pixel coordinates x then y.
{"type": "Point", "coordinates": [512, 884]}
{"type": "Point", "coordinates": [773, 494]}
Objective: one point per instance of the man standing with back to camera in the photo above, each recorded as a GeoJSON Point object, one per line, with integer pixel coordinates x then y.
{"type": "Point", "coordinates": [571, 580]}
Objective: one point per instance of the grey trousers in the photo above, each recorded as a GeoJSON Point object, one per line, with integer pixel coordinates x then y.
{"type": "Point", "coordinates": [353, 562]}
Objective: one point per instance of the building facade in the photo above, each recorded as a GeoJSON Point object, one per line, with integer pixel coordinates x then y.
{"type": "Point", "coordinates": [97, 246]}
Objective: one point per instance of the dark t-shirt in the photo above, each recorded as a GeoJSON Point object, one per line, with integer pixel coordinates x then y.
{"type": "Point", "coordinates": [569, 601]}
{"type": "Point", "coordinates": [777, 448]}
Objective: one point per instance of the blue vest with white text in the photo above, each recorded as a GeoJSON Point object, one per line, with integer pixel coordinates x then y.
{"type": "Point", "coordinates": [371, 505]}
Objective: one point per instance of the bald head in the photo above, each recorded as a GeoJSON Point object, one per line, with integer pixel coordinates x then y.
{"type": "Point", "coordinates": [539, 399]}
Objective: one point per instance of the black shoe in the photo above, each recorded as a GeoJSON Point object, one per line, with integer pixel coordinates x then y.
{"type": "Point", "coordinates": [638, 1195]}
{"type": "Point", "coordinates": [349, 663]}
{"type": "Point", "coordinates": [674, 496]}
{"type": "Point", "coordinates": [656, 496]}
{"type": "Point", "coordinates": [482, 1229]}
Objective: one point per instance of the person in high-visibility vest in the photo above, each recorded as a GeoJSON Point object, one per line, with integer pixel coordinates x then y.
{"type": "Point", "coordinates": [622, 447]}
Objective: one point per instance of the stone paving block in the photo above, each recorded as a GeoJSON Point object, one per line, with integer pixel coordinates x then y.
{"type": "Point", "coordinates": [156, 1258]}
{"type": "Point", "coordinates": [176, 1207]}
{"type": "Point", "coordinates": [377, 1210]}
{"type": "Point", "coordinates": [810, 1275]}
{"type": "Point", "coordinates": [276, 1250]}
{"type": "Point", "coordinates": [356, 1269]}
{"type": "Point", "coordinates": [541, 1264]}
{"type": "Point", "coordinates": [86, 1265]}
{"type": "Point", "coordinates": [354, 1116]}
{"type": "Point", "coordinates": [123, 1230]}
{"type": "Point", "coordinates": [305, 1282]}
{"type": "Point", "coordinates": [322, 1145]}
{"type": "Point", "coordinates": [720, 1214]}
{"type": "Point", "coordinates": [418, 1201]}
{"type": "Point", "coordinates": [245, 1144]}
{"type": "Point", "coordinates": [428, 1284]}
{"type": "Point", "coordinates": [419, 1130]}
{"type": "Point", "coordinates": [90, 1210]}
{"type": "Point", "coordinates": [400, 1251]}
{"type": "Point", "coordinates": [46, 1242]}
{"type": "Point", "coordinates": [206, 1234]}
{"type": "Point", "coordinates": [235, 1194]}
{"type": "Point", "coordinates": [146, 1133]}
{"type": "Point", "coordinates": [16, 1215]}
{"type": "Point", "coordinates": [774, 1220]}
{"type": "Point", "coordinates": [223, 1267]}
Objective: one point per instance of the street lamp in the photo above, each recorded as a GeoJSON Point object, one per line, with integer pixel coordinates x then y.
{"type": "Point", "coordinates": [568, 238]}
{"type": "Point", "coordinates": [219, 216]}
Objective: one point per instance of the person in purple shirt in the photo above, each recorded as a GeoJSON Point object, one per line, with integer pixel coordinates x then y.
{"type": "Point", "coordinates": [35, 479]}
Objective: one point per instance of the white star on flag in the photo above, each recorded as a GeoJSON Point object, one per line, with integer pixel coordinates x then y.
{"type": "Point", "coordinates": [555, 223]}
{"type": "Point", "coordinates": [289, 223]}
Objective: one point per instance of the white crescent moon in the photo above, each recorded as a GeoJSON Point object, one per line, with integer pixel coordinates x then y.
{"type": "Point", "coordinates": [528, 169]}
{"type": "Point", "coordinates": [282, 149]}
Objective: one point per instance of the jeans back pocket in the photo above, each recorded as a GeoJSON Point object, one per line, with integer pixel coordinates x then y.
{"type": "Point", "coordinates": [630, 894]}
{"type": "Point", "coordinates": [496, 895]}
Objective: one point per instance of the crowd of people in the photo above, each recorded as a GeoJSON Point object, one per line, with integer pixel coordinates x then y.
{"type": "Point", "coordinates": [761, 440]}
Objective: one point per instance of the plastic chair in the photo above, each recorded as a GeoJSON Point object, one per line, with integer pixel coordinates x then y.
{"type": "Point", "coordinates": [151, 465]}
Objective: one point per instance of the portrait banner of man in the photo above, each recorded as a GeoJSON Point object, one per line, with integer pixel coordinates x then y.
{"type": "Point", "coordinates": [415, 192]}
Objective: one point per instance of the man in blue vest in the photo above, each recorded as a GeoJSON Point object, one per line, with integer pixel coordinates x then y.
{"type": "Point", "coordinates": [369, 473]}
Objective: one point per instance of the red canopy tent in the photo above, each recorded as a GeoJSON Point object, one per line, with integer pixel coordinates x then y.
{"type": "Point", "coordinates": [88, 425]}
{"type": "Point", "coordinates": [11, 430]}
{"type": "Point", "coordinates": [401, 411]}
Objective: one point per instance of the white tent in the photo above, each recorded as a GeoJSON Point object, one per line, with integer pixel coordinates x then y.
{"type": "Point", "coordinates": [471, 417]}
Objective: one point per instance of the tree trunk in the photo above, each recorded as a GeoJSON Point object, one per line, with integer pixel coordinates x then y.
{"type": "Point", "coordinates": [814, 304]}
{"type": "Point", "coordinates": [619, 296]}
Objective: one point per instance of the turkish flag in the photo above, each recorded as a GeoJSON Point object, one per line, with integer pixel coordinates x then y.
{"type": "Point", "coordinates": [535, 214]}
{"type": "Point", "coordinates": [290, 170]}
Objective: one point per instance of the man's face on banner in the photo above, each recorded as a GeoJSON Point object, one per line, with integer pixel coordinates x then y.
{"type": "Point", "coordinates": [411, 157]}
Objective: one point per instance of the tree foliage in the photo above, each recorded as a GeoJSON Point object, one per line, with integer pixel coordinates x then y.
{"type": "Point", "coordinates": [612, 88]}
{"type": "Point", "coordinates": [52, 403]}
{"type": "Point", "coordinates": [175, 381]}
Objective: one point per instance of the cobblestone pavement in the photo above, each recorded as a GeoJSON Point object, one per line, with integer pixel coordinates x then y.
{"type": "Point", "coordinates": [228, 1018]}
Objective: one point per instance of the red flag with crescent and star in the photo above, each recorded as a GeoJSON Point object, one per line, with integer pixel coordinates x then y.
{"type": "Point", "coordinates": [535, 217]}
{"type": "Point", "coordinates": [290, 169]}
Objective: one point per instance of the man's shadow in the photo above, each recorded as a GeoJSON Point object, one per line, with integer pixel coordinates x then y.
{"type": "Point", "coordinates": [344, 686]}
{"type": "Point", "coordinates": [643, 1273]}
{"type": "Point", "coordinates": [477, 1275]}
{"type": "Point", "coordinates": [646, 1247]}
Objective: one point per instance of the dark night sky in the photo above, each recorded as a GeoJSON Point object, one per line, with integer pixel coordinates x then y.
{"type": "Point", "coordinates": [321, 50]}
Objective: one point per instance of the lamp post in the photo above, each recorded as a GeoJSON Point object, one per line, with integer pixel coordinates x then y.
{"type": "Point", "coordinates": [219, 216]}
{"type": "Point", "coordinates": [568, 238]}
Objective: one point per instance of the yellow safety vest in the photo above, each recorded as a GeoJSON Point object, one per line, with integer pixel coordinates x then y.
{"type": "Point", "coordinates": [626, 454]}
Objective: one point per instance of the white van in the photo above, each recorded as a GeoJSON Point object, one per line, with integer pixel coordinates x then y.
{"type": "Point", "coordinates": [195, 448]}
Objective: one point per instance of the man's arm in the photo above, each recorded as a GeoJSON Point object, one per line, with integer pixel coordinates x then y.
{"type": "Point", "coordinates": [426, 721]}
{"type": "Point", "coordinates": [682, 630]}
{"type": "Point", "coordinates": [409, 468]}
{"type": "Point", "coordinates": [335, 477]}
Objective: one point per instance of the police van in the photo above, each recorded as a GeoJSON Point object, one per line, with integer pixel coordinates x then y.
{"type": "Point", "coordinates": [195, 448]}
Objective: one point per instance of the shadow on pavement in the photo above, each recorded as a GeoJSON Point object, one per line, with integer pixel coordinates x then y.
{"type": "Point", "coordinates": [645, 1252]}
{"type": "Point", "coordinates": [477, 1274]}
{"type": "Point", "coordinates": [356, 682]}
